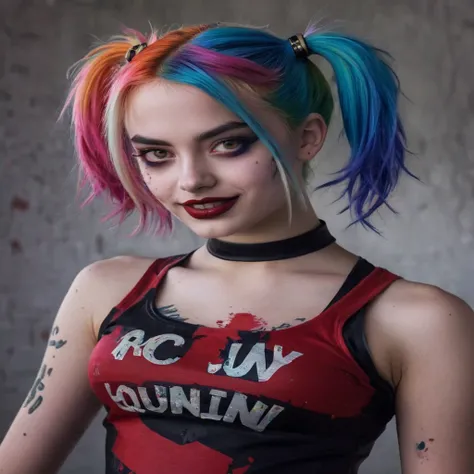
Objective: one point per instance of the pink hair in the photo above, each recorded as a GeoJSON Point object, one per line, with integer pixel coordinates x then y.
{"type": "Point", "coordinates": [102, 83]}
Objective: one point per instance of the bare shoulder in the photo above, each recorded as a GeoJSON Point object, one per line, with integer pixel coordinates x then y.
{"type": "Point", "coordinates": [411, 309]}
{"type": "Point", "coordinates": [410, 320]}
{"type": "Point", "coordinates": [113, 276]}
{"type": "Point", "coordinates": [120, 268]}
{"type": "Point", "coordinates": [422, 338]}
{"type": "Point", "coordinates": [106, 282]}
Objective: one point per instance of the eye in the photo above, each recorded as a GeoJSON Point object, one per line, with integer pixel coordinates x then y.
{"type": "Point", "coordinates": [228, 145]}
{"type": "Point", "coordinates": [234, 146]}
{"type": "Point", "coordinates": [153, 157]}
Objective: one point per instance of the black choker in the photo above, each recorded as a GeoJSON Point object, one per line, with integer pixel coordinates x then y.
{"type": "Point", "coordinates": [311, 241]}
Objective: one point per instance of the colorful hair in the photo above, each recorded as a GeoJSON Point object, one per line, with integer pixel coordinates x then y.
{"type": "Point", "coordinates": [222, 61]}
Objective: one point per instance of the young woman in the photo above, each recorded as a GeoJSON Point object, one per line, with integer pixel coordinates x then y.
{"type": "Point", "coordinates": [271, 349]}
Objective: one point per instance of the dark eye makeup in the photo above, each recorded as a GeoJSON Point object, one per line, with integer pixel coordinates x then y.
{"type": "Point", "coordinates": [229, 147]}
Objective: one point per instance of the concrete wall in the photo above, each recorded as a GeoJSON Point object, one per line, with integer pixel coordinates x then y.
{"type": "Point", "coordinates": [45, 239]}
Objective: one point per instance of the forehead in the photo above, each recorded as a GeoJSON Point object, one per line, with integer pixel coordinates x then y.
{"type": "Point", "coordinates": [165, 108]}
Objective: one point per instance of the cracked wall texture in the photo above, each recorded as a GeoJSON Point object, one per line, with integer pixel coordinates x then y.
{"type": "Point", "coordinates": [45, 239]}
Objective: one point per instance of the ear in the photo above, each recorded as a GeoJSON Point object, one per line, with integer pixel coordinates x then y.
{"type": "Point", "coordinates": [312, 135]}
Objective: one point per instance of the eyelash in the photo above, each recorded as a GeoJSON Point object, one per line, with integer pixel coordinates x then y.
{"type": "Point", "coordinates": [244, 143]}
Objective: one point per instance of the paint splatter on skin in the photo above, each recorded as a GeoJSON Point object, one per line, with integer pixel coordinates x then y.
{"type": "Point", "coordinates": [421, 446]}
{"type": "Point", "coordinates": [422, 449]}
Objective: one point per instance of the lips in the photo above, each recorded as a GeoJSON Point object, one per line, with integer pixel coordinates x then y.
{"type": "Point", "coordinates": [209, 208]}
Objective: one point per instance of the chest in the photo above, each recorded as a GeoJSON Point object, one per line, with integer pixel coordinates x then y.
{"type": "Point", "coordinates": [271, 302]}
{"type": "Point", "coordinates": [153, 368]}
{"type": "Point", "coordinates": [158, 367]}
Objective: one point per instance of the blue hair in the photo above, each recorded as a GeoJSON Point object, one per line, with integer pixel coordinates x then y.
{"type": "Point", "coordinates": [368, 91]}
{"type": "Point", "coordinates": [367, 86]}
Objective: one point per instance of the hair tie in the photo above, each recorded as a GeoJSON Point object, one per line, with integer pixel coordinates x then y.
{"type": "Point", "coordinates": [134, 50]}
{"type": "Point", "coordinates": [299, 45]}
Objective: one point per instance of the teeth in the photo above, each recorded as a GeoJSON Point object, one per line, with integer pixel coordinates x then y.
{"type": "Point", "coordinates": [209, 205]}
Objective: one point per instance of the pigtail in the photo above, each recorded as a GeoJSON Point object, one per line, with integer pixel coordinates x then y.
{"type": "Point", "coordinates": [368, 91]}
{"type": "Point", "coordinates": [88, 96]}
{"type": "Point", "coordinates": [102, 81]}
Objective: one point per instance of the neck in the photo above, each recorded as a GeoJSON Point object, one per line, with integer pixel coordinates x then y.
{"type": "Point", "coordinates": [277, 227]}
{"type": "Point", "coordinates": [304, 237]}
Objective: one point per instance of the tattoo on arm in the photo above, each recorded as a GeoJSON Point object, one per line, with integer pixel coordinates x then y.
{"type": "Point", "coordinates": [35, 398]}
{"type": "Point", "coordinates": [171, 312]}
{"type": "Point", "coordinates": [57, 343]}
{"type": "Point", "coordinates": [38, 386]}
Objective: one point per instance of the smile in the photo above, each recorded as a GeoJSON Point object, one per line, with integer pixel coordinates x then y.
{"type": "Point", "coordinates": [209, 208]}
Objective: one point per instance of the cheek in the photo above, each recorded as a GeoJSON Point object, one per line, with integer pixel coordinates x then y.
{"type": "Point", "coordinates": [260, 174]}
{"type": "Point", "coordinates": [146, 175]}
{"type": "Point", "coordinates": [249, 177]}
{"type": "Point", "coordinates": [258, 169]}
{"type": "Point", "coordinates": [157, 183]}
{"type": "Point", "coordinates": [264, 183]}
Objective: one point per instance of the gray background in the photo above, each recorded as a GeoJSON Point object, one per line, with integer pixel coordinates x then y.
{"type": "Point", "coordinates": [45, 238]}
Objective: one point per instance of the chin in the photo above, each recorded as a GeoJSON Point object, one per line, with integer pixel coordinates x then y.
{"type": "Point", "coordinates": [211, 229]}
{"type": "Point", "coordinates": [217, 228]}
{"type": "Point", "coordinates": [227, 225]}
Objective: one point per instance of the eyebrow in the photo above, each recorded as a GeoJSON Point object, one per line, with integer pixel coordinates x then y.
{"type": "Point", "coordinates": [226, 127]}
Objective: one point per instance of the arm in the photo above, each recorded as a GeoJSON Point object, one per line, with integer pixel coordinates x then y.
{"type": "Point", "coordinates": [60, 404]}
{"type": "Point", "coordinates": [435, 394]}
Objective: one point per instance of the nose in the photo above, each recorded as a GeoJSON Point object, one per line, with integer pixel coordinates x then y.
{"type": "Point", "coordinates": [195, 175]}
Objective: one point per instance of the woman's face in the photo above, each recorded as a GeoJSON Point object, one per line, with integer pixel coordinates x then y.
{"type": "Point", "coordinates": [204, 165]}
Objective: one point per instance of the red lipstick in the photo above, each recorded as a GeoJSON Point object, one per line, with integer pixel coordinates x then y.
{"type": "Point", "coordinates": [209, 208]}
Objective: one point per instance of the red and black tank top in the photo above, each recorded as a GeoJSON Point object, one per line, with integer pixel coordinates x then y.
{"type": "Point", "coordinates": [187, 399]}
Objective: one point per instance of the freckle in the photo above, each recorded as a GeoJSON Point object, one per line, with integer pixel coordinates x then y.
{"type": "Point", "coordinates": [431, 440]}
{"type": "Point", "coordinates": [256, 162]}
